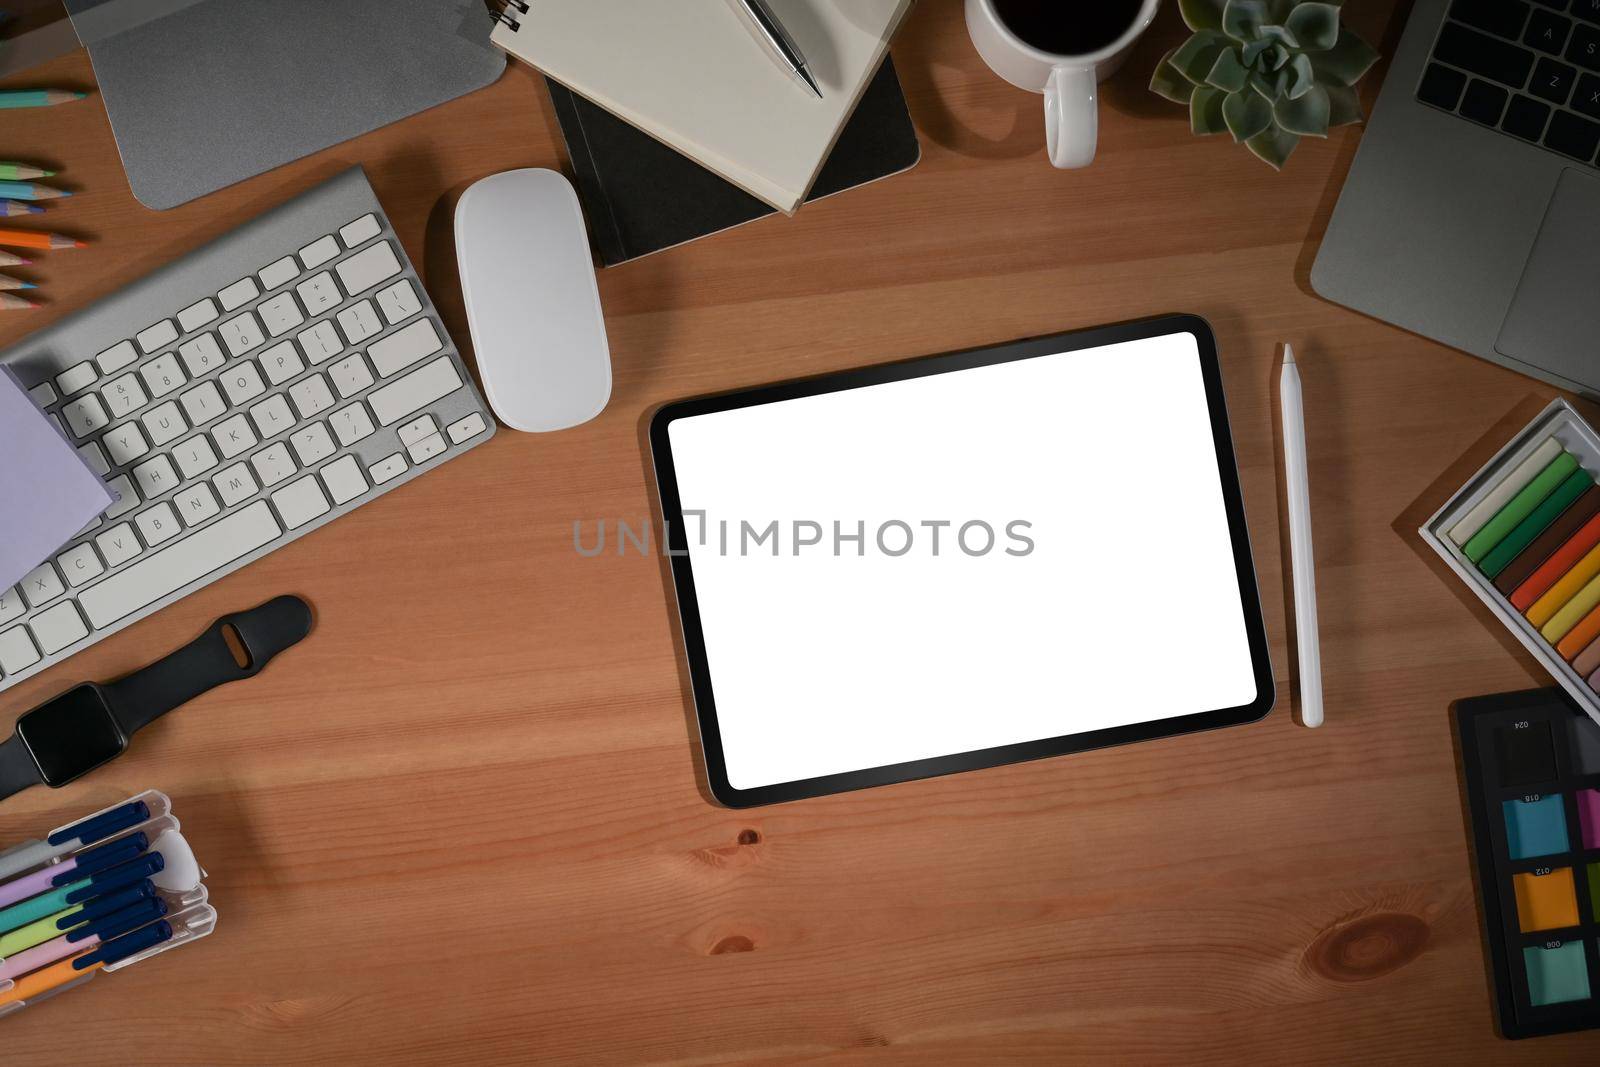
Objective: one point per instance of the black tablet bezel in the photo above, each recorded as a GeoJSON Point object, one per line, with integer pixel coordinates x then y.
{"type": "Point", "coordinates": [1032, 348]}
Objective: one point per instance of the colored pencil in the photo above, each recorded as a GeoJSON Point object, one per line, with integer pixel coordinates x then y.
{"type": "Point", "coordinates": [9, 208]}
{"type": "Point", "coordinates": [21, 172]}
{"type": "Point", "coordinates": [1297, 490]}
{"type": "Point", "coordinates": [31, 191]}
{"type": "Point", "coordinates": [10, 302]}
{"type": "Point", "coordinates": [37, 97]}
{"type": "Point", "coordinates": [34, 239]}
{"type": "Point", "coordinates": [11, 259]}
{"type": "Point", "coordinates": [8, 282]}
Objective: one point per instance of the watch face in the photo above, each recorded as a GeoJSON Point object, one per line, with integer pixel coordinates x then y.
{"type": "Point", "coordinates": [71, 735]}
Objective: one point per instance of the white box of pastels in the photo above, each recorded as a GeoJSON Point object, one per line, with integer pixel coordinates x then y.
{"type": "Point", "coordinates": [1485, 493]}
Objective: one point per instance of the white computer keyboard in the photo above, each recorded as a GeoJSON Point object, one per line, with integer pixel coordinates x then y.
{"type": "Point", "coordinates": [234, 401]}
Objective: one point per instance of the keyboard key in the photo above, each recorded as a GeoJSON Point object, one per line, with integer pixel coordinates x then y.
{"type": "Point", "coordinates": [408, 395]}
{"type": "Point", "coordinates": [417, 429]}
{"type": "Point", "coordinates": [300, 502]}
{"type": "Point", "coordinates": [17, 651]}
{"type": "Point", "coordinates": [272, 416]}
{"type": "Point", "coordinates": [282, 362]}
{"type": "Point", "coordinates": [278, 272]}
{"type": "Point", "coordinates": [164, 424]}
{"type": "Point", "coordinates": [426, 449]}
{"type": "Point", "coordinates": [1441, 87]}
{"type": "Point", "coordinates": [163, 573]}
{"type": "Point", "coordinates": [242, 334]}
{"type": "Point", "coordinates": [202, 355]}
{"type": "Point", "coordinates": [1573, 136]}
{"type": "Point", "coordinates": [116, 357]}
{"type": "Point", "coordinates": [203, 403]}
{"type": "Point", "coordinates": [280, 314]}
{"type": "Point", "coordinates": [94, 459]}
{"type": "Point", "coordinates": [124, 396]}
{"type": "Point", "coordinates": [312, 444]}
{"type": "Point", "coordinates": [162, 375]}
{"type": "Point", "coordinates": [234, 436]}
{"type": "Point", "coordinates": [119, 544]}
{"type": "Point", "coordinates": [238, 294]}
{"type": "Point", "coordinates": [1552, 81]}
{"type": "Point", "coordinates": [76, 379]}
{"type": "Point", "coordinates": [1588, 10]}
{"type": "Point", "coordinates": [243, 383]}
{"type": "Point", "coordinates": [123, 496]}
{"type": "Point", "coordinates": [368, 267]}
{"type": "Point", "coordinates": [388, 469]}
{"type": "Point", "coordinates": [59, 627]}
{"type": "Point", "coordinates": [1525, 118]}
{"type": "Point", "coordinates": [1503, 18]}
{"type": "Point", "coordinates": [1547, 32]}
{"type": "Point", "coordinates": [41, 585]}
{"type": "Point", "coordinates": [1486, 56]}
{"type": "Point", "coordinates": [155, 477]}
{"type": "Point", "coordinates": [399, 301]}
{"type": "Point", "coordinates": [80, 563]}
{"type": "Point", "coordinates": [85, 415]}
{"type": "Point", "coordinates": [11, 606]}
{"type": "Point", "coordinates": [359, 322]}
{"type": "Point", "coordinates": [311, 396]}
{"type": "Point", "coordinates": [125, 444]}
{"type": "Point", "coordinates": [1584, 48]}
{"type": "Point", "coordinates": [195, 456]}
{"type": "Point", "coordinates": [344, 479]}
{"type": "Point", "coordinates": [196, 504]}
{"type": "Point", "coordinates": [319, 293]}
{"type": "Point", "coordinates": [464, 429]}
{"type": "Point", "coordinates": [154, 338]}
{"type": "Point", "coordinates": [1587, 98]}
{"type": "Point", "coordinates": [198, 314]}
{"type": "Point", "coordinates": [363, 229]}
{"type": "Point", "coordinates": [321, 343]}
{"type": "Point", "coordinates": [273, 464]}
{"type": "Point", "coordinates": [1484, 102]}
{"type": "Point", "coordinates": [404, 347]}
{"type": "Point", "coordinates": [235, 484]}
{"type": "Point", "coordinates": [158, 524]}
{"type": "Point", "coordinates": [42, 395]}
{"type": "Point", "coordinates": [319, 251]}
{"type": "Point", "coordinates": [352, 424]}
{"type": "Point", "coordinates": [350, 375]}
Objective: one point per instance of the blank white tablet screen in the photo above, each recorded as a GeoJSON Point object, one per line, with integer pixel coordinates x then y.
{"type": "Point", "coordinates": [914, 641]}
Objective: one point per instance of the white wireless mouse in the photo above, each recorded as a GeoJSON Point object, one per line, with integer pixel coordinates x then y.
{"type": "Point", "coordinates": [532, 302]}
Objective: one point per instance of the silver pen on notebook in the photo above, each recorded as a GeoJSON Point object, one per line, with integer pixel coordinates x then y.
{"type": "Point", "coordinates": [780, 41]}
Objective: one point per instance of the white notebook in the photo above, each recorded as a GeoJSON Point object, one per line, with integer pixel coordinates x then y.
{"type": "Point", "coordinates": [694, 74]}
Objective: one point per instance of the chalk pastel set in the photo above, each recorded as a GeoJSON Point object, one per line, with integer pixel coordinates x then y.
{"type": "Point", "coordinates": [1531, 764]}
{"type": "Point", "coordinates": [99, 894]}
{"type": "Point", "coordinates": [1524, 533]}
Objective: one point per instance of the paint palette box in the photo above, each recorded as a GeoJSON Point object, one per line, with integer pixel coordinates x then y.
{"type": "Point", "coordinates": [1530, 762]}
{"type": "Point", "coordinates": [1524, 534]}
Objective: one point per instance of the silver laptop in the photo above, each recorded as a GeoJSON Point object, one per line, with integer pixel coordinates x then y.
{"type": "Point", "coordinates": [1472, 210]}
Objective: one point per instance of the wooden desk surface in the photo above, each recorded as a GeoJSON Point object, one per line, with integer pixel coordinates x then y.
{"type": "Point", "coordinates": [462, 824]}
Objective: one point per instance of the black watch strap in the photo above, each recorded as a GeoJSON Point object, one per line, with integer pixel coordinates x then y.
{"type": "Point", "coordinates": [207, 662]}
{"type": "Point", "coordinates": [17, 769]}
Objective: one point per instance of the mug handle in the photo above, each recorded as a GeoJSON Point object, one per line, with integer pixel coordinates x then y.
{"type": "Point", "coordinates": [1071, 116]}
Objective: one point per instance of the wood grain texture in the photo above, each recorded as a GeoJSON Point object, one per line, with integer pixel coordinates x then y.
{"type": "Point", "coordinates": [462, 822]}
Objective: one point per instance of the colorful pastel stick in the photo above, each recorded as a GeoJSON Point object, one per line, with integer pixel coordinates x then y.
{"type": "Point", "coordinates": [1520, 506]}
{"type": "Point", "coordinates": [1580, 636]}
{"type": "Point", "coordinates": [1572, 553]}
{"type": "Point", "coordinates": [1565, 588]}
{"type": "Point", "coordinates": [1545, 545]}
{"type": "Point", "coordinates": [1539, 519]}
{"type": "Point", "coordinates": [1572, 612]}
{"type": "Point", "coordinates": [1504, 490]}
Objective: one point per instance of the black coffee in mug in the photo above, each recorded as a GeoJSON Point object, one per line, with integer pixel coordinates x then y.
{"type": "Point", "coordinates": [1068, 27]}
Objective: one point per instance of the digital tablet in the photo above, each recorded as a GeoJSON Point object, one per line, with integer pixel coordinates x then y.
{"type": "Point", "coordinates": [961, 561]}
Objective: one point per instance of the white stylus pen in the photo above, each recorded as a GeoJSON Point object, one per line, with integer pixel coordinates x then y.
{"type": "Point", "coordinates": [1298, 489]}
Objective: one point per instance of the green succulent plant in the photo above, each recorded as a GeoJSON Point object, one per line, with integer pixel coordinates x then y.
{"type": "Point", "coordinates": [1269, 72]}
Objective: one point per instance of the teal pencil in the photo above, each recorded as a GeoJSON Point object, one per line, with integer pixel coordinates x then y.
{"type": "Point", "coordinates": [8, 282]}
{"type": "Point", "coordinates": [31, 191]}
{"type": "Point", "coordinates": [17, 207]}
{"type": "Point", "coordinates": [37, 97]}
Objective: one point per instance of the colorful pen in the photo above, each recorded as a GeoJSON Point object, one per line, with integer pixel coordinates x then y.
{"type": "Point", "coordinates": [83, 937]}
{"type": "Point", "coordinates": [71, 838]}
{"type": "Point", "coordinates": [30, 191]}
{"type": "Point", "coordinates": [86, 963]}
{"type": "Point", "coordinates": [37, 933]}
{"type": "Point", "coordinates": [96, 885]}
{"type": "Point", "coordinates": [79, 866]}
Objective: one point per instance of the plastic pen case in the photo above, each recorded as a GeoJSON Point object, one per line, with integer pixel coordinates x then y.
{"type": "Point", "coordinates": [129, 816]}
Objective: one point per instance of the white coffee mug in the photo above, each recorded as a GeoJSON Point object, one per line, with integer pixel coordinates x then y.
{"type": "Point", "coordinates": [1071, 111]}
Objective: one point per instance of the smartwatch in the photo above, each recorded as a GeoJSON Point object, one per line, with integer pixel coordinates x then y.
{"type": "Point", "coordinates": [89, 725]}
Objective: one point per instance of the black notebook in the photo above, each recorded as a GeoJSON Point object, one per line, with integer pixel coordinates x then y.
{"type": "Point", "coordinates": [640, 196]}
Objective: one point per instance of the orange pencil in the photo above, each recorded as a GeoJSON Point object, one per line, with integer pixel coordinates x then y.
{"type": "Point", "coordinates": [33, 239]}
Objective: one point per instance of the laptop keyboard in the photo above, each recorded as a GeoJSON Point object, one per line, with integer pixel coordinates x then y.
{"type": "Point", "coordinates": [1528, 69]}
